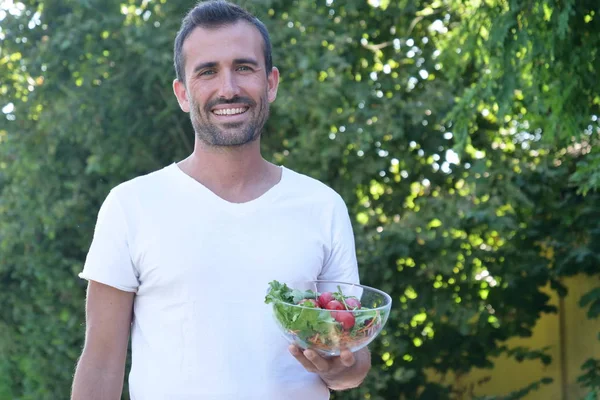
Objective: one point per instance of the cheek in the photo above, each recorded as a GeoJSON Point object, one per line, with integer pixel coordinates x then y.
{"type": "Point", "coordinates": [197, 104]}
{"type": "Point", "coordinates": [197, 93]}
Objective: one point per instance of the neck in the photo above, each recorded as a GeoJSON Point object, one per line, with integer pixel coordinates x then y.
{"type": "Point", "coordinates": [236, 174]}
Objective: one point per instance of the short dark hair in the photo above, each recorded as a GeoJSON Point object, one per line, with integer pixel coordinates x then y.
{"type": "Point", "coordinates": [215, 14]}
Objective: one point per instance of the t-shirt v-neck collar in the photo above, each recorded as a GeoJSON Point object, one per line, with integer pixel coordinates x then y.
{"type": "Point", "coordinates": [220, 202]}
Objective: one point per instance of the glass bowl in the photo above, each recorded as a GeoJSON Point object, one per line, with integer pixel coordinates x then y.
{"type": "Point", "coordinates": [328, 316]}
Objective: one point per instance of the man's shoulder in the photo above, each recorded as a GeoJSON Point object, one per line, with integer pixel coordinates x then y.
{"type": "Point", "coordinates": [304, 184]}
{"type": "Point", "coordinates": [146, 184]}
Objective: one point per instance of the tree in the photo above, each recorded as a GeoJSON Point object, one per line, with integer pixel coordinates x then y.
{"type": "Point", "coordinates": [529, 66]}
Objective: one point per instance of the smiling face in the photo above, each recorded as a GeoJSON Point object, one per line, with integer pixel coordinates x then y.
{"type": "Point", "coordinates": [227, 90]}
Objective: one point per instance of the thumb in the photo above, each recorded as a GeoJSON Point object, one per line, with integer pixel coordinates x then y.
{"type": "Point", "coordinates": [347, 358]}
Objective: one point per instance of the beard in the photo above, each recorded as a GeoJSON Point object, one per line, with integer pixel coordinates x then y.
{"type": "Point", "coordinates": [232, 134]}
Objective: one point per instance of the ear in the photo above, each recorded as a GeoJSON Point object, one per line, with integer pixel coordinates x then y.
{"type": "Point", "coordinates": [273, 82]}
{"type": "Point", "coordinates": [181, 94]}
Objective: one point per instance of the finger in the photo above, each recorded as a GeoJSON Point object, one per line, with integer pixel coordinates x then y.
{"type": "Point", "coordinates": [298, 355]}
{"type": "Point", "coordinates": [321, 363]}
{"type": "Point", "coordinates": [347, 358]}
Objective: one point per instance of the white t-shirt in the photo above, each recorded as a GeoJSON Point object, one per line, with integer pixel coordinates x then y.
{"type": "Point", "coordinates": [200, 268]}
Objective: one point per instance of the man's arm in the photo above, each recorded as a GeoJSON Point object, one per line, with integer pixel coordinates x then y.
{"type": "Point", "coordinates": [101, 368]}
{"type": "Point", "coordinates": [339, 373]}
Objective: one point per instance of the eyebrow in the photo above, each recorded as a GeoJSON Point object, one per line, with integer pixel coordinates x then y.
{"type": "Point", "coordinates": [237, 61]}
{"type": "Point", "coordinates": [201, 66]}
{"type": "Point", "coordinates": [250, 61]}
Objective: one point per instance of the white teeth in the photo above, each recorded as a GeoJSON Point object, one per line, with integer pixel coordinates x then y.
{"type": "Point", "coordinates": [229, 111]}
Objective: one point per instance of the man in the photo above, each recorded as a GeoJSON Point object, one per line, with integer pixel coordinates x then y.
{"type": "Point", "coordinates": [183, 255]}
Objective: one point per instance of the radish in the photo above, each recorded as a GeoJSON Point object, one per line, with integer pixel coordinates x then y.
{"type": "Point", "coordinates": [308, 303]}
{"type": "Point", "coordinates": [352, 303]}
{"type": "Point", "coordinates": [345, 318]}
{"type": "Point", "coordinates": [325, 298]}
{"type": "Point", "coordinates": [335, 305]}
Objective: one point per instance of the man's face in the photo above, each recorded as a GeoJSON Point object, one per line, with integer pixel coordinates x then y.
{"type": "Point", "coordinates": [227, 91]}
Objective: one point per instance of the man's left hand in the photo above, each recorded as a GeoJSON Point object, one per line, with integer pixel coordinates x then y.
{"type": "Point", "coordinates": [345, 371]}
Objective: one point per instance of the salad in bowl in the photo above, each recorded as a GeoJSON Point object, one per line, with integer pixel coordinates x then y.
{"type": "Point", "coordinates": [328, 316]}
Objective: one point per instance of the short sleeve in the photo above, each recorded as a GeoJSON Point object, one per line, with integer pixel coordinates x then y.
{"type": "Point", "coordinates": [109, 259]}
{"type": "Point", "coordinates": [341, 265]}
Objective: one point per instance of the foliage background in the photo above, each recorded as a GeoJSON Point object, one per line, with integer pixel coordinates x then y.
{"type": "Point", "coordinates": [462, 134]}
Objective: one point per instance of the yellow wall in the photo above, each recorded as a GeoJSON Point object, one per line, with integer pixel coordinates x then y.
{"type": "Point", "coordinates": [581, 333]}
{"type": "Point", "coordinates": [580, 343]}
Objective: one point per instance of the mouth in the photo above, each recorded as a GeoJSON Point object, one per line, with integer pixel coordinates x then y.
{"type": "Point", "coordinates": [230, 112]}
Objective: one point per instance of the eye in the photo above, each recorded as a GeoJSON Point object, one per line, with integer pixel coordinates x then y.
{"type": "Point", "coordinates": [206, 72]}
{"type": "Point", "coordinates": [244, 68]}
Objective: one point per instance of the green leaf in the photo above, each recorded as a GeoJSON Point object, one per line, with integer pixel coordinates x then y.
{"type": "Point", "coordinates": [592, 298]}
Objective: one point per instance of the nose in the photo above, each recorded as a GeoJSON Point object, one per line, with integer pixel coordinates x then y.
{"type": "Point", "coordinates": [228, 86]}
